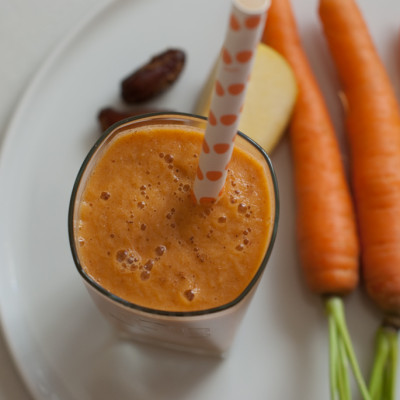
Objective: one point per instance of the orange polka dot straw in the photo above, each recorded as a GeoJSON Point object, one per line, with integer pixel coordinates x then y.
{"type": "Point", "coordinates": [246, 24]}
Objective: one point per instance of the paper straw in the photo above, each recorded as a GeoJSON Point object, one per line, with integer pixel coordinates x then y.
{"type": "Point", "coordinates": [244, 31]}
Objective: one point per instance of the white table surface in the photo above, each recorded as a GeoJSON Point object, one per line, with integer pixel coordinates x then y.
{"type": "Point", "coordinates": [29, 31]}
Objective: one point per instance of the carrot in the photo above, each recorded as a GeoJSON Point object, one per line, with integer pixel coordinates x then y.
{"type": "Point", "coordinates": [373, 131]}
{"type": "Point", "coordinates": [325, 223]}
{"type": "Point", "coordinates": [326, 226]}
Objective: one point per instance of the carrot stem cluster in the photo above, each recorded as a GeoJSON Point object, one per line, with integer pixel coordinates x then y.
{"type": "Point", "coordinates": [342, 355]}
{"type": "Point", "coordinates": [382, 385]}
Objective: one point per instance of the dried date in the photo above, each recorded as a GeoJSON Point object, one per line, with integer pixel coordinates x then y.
{"type": "Point", "coordinates": [108, 116]}
{"type": "Point", "coordinates": [154, 77]}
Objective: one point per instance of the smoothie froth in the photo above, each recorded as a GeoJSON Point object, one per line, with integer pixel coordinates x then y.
{"type": "Point", "coordinates": [143, 238]}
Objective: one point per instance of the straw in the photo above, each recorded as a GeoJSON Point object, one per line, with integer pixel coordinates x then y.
{"type": "Point", "coordinates": [244, 31]}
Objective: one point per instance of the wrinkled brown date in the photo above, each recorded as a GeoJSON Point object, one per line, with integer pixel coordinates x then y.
{"type": "Point", "coordinates": [108, 116]}
{"type": "Point", "coordinates": [153, 78]}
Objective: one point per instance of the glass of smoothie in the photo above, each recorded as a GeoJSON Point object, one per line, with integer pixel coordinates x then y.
{"type": "Point", "coordinates": [161, 268]}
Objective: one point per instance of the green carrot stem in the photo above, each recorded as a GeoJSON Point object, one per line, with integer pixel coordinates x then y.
{"type": "Point", "coordinates": [343, 371]}
{"type": "Point", "coordinates": [333, 351]}
{"type": "Point", "coordinates": [387, 385]}
{"type": "Point", "coordinates": [336, 309]}
{"type": "Point", "coordinates": [383, 377]}
{"type": "Point", "coordinates": [376, 382]}
{"type": "Point", "coordinates": [338, 368]}
{"type": "Point", "coordinates": [393, 351]}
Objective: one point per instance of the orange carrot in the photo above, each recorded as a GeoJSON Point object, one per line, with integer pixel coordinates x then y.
{"type": "Point", "coordinates": [326, 226]}
{"type": "Point", "coordinates": [373, 126]}
{"type": "Point", "coordinates": [373, 130]}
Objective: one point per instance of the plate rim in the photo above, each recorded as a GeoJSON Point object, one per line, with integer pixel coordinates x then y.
{"type": "Point", "coordinates": [10, 133]}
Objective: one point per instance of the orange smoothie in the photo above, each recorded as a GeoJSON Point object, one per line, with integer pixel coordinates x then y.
{"type": "Point", "coordinates": [142, 238]}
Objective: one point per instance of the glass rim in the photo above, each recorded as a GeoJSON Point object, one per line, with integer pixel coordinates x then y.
{"type": "Point", "coordinates": [101, 290]}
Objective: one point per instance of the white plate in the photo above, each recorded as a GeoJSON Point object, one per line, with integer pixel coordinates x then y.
{"type": "Point", "coordinates": [61, 345]}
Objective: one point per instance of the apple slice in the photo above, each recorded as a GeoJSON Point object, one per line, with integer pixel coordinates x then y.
{"type": "Point", "coordinates": [270, 97]}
